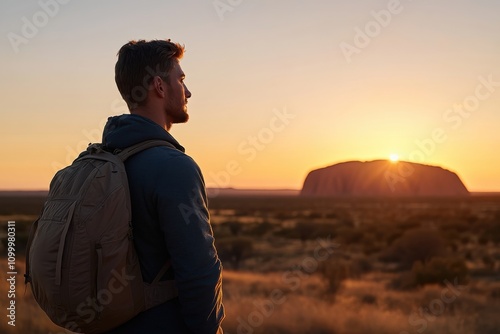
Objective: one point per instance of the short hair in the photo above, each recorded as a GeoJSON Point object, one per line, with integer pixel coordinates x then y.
{"type": "Point", "coordinates": [138, 62]}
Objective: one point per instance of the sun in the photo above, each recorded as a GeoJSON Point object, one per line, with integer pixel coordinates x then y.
{"type": "Point", "coordinates": [394, 157]}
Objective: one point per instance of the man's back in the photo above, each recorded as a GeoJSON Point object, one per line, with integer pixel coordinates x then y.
{"type": "Point", "coordinates": [171, 223]}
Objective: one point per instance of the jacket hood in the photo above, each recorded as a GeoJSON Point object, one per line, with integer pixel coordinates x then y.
{"type": "Point", "coordinates": [127, 130]}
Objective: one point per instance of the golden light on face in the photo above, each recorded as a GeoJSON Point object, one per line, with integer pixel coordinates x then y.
{"type": "Point", "coordinates": [394, 157]}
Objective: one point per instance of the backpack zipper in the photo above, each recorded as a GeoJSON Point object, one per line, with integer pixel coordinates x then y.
{"type": "Point", "coordinates": [98, 249]}
{"type": "Point", "coordinates": [62, 243]}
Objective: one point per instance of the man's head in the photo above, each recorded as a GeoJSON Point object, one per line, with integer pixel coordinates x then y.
{"type": "Point", "coordinates": [149, 78]}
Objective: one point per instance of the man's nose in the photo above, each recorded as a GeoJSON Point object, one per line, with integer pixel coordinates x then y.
{"type": "Point", "coordinates": [187, 92]}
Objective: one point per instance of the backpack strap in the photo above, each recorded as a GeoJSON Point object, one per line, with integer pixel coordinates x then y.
{"type": "Point", "coordinates": [134, 149]}
{"type": "Point", "coordinates": [34, 227]}
{"type": "Point", "coordinates": [158, 291]}
{"type": "Point", "coordinates": [162, 272]}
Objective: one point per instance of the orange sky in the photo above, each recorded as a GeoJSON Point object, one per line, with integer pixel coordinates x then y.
{"type": "Point", "coordinates": [278, 88]}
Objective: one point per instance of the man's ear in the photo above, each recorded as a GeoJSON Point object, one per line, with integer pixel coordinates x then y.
{"type": "Point", "coordinates": [158, 86]}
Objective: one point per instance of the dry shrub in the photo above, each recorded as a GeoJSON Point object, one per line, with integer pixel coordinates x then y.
{"type": "Point", "coordinates": [369, 299]}
{"type": "Point", "coordinates": [495, 293]}
{"type": "Point", "coordinates": [234, 226]}
{"type": "Point", "coordinates": [261, 229]}
{"type": "Point", "coordinates": [335, 271]}
{"type": "Point", "coordinates": [349, 235]}
{"type": "Point", "coordinates": [234, 250]}
{"type": "Point", "coordinates": [415, 245]}
{"type": "Point", "coordinates": [439, 270]}
{"type": "Point", "coordinates": [488, 322]}
{"type": "Point", "coordinates": [306, 230]}
{"type": "Point", "coordinates": [371, 244]}
{"type": "Point", "coordinates": [491, 233]}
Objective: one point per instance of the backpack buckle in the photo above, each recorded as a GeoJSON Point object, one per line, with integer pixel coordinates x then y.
{"type": "Point", "coordinates": [94, 148]}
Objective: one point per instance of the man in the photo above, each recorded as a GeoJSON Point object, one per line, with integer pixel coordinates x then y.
{"type": "Point", "coordinates": [169, 205]}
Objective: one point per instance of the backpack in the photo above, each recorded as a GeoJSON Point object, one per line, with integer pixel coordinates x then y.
{"type": "Point", "coordinates": [80, 257]}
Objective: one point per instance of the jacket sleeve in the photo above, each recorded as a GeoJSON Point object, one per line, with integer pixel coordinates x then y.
{"type": "Point", "coordinates": [184, 221]}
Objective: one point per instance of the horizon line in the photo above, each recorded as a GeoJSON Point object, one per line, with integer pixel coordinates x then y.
{"type": "Point", "coordinates": [224, 188]}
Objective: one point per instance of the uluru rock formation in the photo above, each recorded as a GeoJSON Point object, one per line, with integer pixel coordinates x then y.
{"type": "Point", "coordinates": [382, 178]}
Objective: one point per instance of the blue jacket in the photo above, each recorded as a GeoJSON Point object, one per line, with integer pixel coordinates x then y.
{"type": "Point", "coordinates": [170, 220]}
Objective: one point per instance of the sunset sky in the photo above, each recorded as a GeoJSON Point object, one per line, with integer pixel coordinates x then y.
{"type": "Point", "coordinates": [279, 87]}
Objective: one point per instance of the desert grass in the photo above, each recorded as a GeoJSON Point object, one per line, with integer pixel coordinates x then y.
{"type": "Point", "coordinates": [278, 289]}
{"type": "Point", "coordinates": [362, 306]}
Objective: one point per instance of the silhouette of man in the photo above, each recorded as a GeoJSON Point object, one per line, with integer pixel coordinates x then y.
{"type": "Point", "coordinates": [169, 205]}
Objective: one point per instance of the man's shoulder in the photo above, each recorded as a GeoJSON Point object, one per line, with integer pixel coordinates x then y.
{"type": "Point", "coordinates": [168, 158]}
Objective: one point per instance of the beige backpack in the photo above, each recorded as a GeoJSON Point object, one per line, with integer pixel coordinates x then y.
{"type": "Point", "coordinates": [80, 258]}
